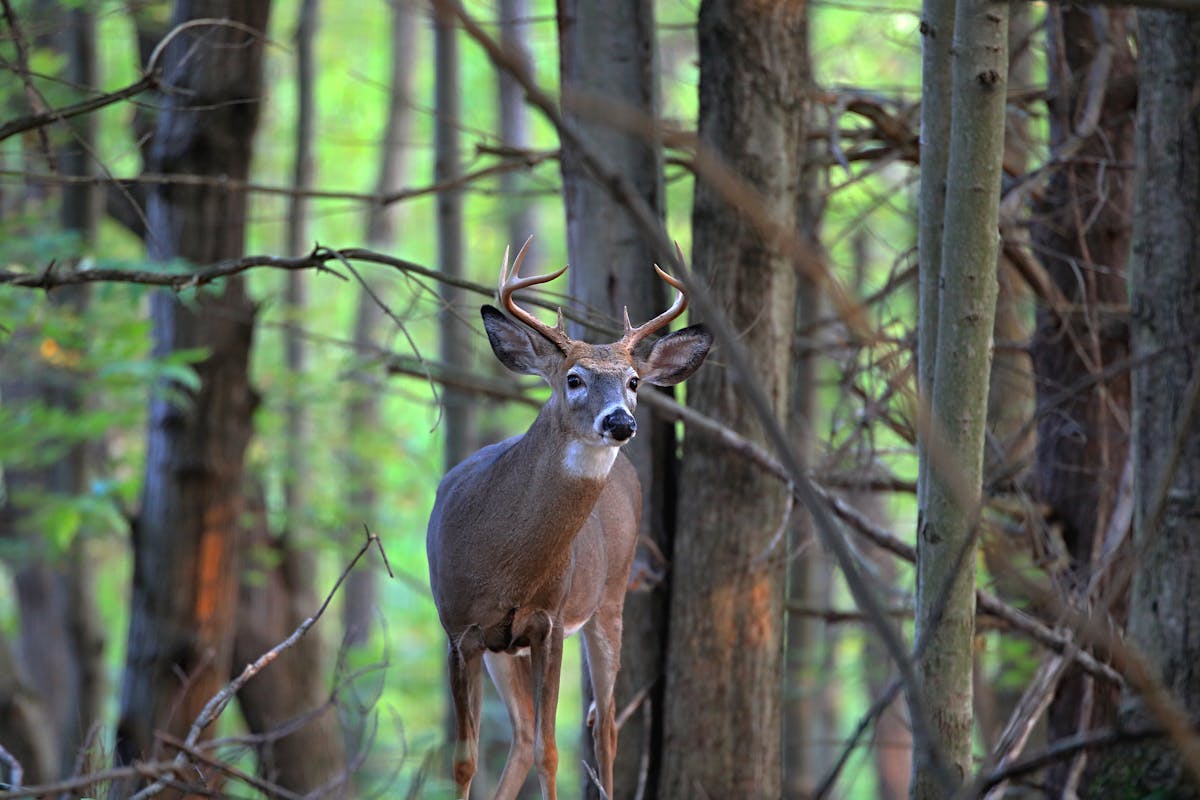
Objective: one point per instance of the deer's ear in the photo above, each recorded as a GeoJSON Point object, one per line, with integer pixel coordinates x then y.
{"type": "Point", "coordinates": [674, 357]}
{"type": "Point", "coordinates": [518, 348]}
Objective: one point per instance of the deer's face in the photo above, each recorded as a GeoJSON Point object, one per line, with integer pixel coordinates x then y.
{"type": "Point", "coordinates": [596, 385]}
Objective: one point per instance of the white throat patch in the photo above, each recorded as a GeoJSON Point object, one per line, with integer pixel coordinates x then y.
{"type": "Point", "coordinates": [589, 461]}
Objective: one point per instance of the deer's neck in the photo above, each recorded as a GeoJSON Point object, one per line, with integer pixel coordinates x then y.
{"type": "Point", "coordinates": [562, 478]}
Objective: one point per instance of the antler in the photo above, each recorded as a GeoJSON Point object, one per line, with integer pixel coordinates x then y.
{"type": "Point", "coordinates": [510, 282]}
{"type": "Point", "coordinates": [634, 335]}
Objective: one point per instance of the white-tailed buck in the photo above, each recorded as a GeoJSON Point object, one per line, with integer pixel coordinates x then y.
{"type": "Point", "coordinates": [532, 539]}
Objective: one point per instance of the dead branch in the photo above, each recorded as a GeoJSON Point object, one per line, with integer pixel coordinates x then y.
{"type": "Point", "coordinates": [1068, 748]}
{"type": "Point", "coordinates": [250, 187]}
{"type": "Point", "coordinates": [36, 101]}
{"type": "Point", "coordinates": [41, 119]}
{"type": "Point", "coordinates": [197, 754]}
{"type": "Point", "coordinates": [16, 773]}
{"type": "Point", "coordinates": [878, 707]}
{"type": "Point", "coordinates": [77, 785]}
{"type": "Point", "coordinates": [218, 702]}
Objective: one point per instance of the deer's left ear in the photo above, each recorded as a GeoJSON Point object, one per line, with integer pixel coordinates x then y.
{"type": "Point", "coordinates": [674, 357]}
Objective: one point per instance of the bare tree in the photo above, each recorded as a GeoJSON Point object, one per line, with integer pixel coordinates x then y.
{"type": "Point", "coordinates": [362, 412]}
{"type": "Point", "coordinates": [953, 440]}
{"type": "Point", "coordinates": [277, 594]}
{"type": "Point", "coordinates": [609, 62]}
{"type": "Point", "coordinates": [724, 657]}
{"type": "Point", "coordinates": [1081, 235]}
{"type": "Point", "coordinates": [186, 541]}
{"type": "Point", "coordinates": [1165, 284]}
{"type": "Point", "coordinates": [808, 641]}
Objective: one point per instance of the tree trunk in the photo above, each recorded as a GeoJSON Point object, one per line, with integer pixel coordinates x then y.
{"type": "Point", "coordinates": [294, 691]}
{"type": "Point", "coordinates": [722, 725]}
{"type": "Point", "coordinates": [945, 613]}
{"type": "Point", "coordinates": [1008, 457]}
{"type": "Point", "coordinates": [186, 538]}
{"type": "Point", "coordinates": [276, 596]}
{"type": "Point", "coordinates": [1082, 234]}
{"type": "Point", "coordinates": [360, 602]}
{"type": "Point", "coordinates": [360, 593]}
{"type": "Point", "coordinates": [458, 418]}
{"type": "Point", "coordinates": [61, 645]}
{"type": "Point", "coordinates": [520, 220]}
{"type": "Point", "coordinates": [1164, 272]}
{"type": "Point", "coordinates": [25, 725]}
{"type": "Point", "coordinates": [608, 58]}
{"type": "Point", "coordinates": [937, 40]}
{"type": "Point", "coordinates": [808, 650]}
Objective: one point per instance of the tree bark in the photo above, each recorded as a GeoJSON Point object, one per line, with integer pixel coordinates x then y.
{"type": "Point", "coordinates": [61, 644]}
{"type": "Point", "coordinates": [724, 658]}
{"type": "Point", "coordinates": [937, 40]}
{"type": "Point", "coordinates": [520, 220]}
{"type": "Point", "coordinates": [1082, 234]}
{"type": "Point", "coordinates": [608, 59]}
{"type": "Point", "coordinates": [186, 553]}
{"type": "Point", "coordinates": [457, 406]}
{"type": "Point", "coordinates": [274, 597]}
{"type": "Point", "coordinates": [808, 648]}
{"type": "Point", "coordinates": [295, 690]}
{"type": "Point", "coordinates": [945, 613]}
{"type": "Point", "coordinates": [25, 724]}
{"type": "Point", "coordinates": [1164, 272]}
{"type": "Point", "coordinates": [1008, 456]}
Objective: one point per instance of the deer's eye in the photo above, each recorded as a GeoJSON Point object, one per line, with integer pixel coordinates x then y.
{"type": "Point", "coordinates": [633, 383]}
{"type": "Point", "coordinates": [574, 381]}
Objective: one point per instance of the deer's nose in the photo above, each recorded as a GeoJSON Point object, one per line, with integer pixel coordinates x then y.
{"type": "Point", "coordinates": [620, 425]}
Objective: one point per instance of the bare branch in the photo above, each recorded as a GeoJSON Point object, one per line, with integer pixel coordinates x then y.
{"type": "Point", "coordinates": [48, 117]}
{"type": "Point", "coordinates": [217, 703]}
{"type": "Point", "coordinates": [16, 773]}
{"type": "Point", "coordinates": [377, 199]}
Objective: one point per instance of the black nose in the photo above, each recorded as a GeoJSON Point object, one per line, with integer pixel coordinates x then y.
{"type": "Point", "coordinates": [620, 425]}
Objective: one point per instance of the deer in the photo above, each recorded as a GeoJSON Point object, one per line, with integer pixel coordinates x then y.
{"type": "Point", "coordinates": [532, 539]}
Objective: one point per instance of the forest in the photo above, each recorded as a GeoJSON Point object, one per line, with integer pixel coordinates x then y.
{"type": "Point", "coordinates": [924, 523]}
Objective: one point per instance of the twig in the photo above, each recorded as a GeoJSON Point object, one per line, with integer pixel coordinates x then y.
{"type": "Point", "coordinates": [595, 779]}
{"type": "Point", "coordinates": [878, 707]}
{"type": "Point", "coordinates": [213, 708]}
{"type": "Point", "coordinates": [240, 186]}
{"type": "Point", "coordinates": [16, 773]}
{"type": "Point", "coordinates": [266, 787]}
{"type": "Point", "coordinates": [433, 385]}
{"type": "Point", "coordinates": [1067, 748]}
{"type": "Point", "coordinates": [43, 118]}
{"type": "Point", "coordinates": [633, 704]}
{"type": "Point", "coordinates": [77, 784]}
{"type": "Point", "coordinates": [36, 101]}
{"type": "Point", "coordinates": [1033, 703]}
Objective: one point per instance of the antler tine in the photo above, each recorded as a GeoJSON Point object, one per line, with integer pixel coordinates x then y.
{"type": "Point", "coordinates": [511, 281]}
{"type": "Point", "coordinates": [634, 335]}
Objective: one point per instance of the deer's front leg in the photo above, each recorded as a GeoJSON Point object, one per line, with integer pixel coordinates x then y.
{"type": "Point", "coordinates": [466, 686]}
{"type": "Point", "coordinates": [545, 651]}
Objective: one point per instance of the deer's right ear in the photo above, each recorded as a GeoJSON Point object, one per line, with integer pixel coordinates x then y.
{"type": "Point", "coordinates": [518, 348]}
